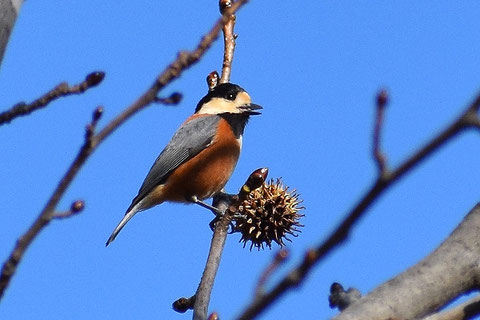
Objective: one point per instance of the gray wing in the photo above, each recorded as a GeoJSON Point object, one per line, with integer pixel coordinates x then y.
{"type": "Point", "coordinates": [187, 142]}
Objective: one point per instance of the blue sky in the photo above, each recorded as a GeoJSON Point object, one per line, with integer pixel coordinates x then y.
{"type": "Point", "coordinates": [314, 66]}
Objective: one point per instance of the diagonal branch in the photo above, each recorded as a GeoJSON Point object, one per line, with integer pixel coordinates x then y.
{"type": "Point", "coordinates": [63, 89]}
{"type": "Point", "coordinates": [92, 141]}
{"type": "Point", "coordinates": [465, 311]}
{"type": "Point", "coordinates": [468, 119]}
{"type": "Point", "coordinates": [449, 271]}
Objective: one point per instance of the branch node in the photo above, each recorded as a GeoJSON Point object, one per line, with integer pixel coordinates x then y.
{"type": "Point", "coordinates": [182, 305]}
{"type": "Point", "coordinates": [76, 207]}
{"type": "Point", "coordinates": [224, 5]}
{"type": "Point", "coordinates": [173, 99]}
{"type": "Point", "coordinates": [60, 90]}
{"type": "Point", "coordinates": [97, 114]}
{"type": "Point", "coordinates": [213, 316]}
{"type": "Point", "coordinates": [212, 80]}
{"type": "Point", "coordinates": [342, 299]}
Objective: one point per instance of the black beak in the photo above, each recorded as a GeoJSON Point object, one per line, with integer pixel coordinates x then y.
{"type": "Point", "coordinates": [250, 108]}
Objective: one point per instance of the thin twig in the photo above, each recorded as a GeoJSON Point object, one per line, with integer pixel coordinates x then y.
{"type": "Point", "coordinates": [173, 71]}
{"type": "Point", "coordinates": [229, 40]}
{"type": "Point", "coordinates": [61, 90]}
{"type": "Point", "coordinates": [380, 159]}
{"type": "Point", "coordinates": [296, 276]}
{"type": "Point", "coordinates": [48, 213]}
{"type": "Point", "coordinates": [279, 258]}
{"type": "Point", "coordinates": [75, 208]}
{"type": "Point", "coordinates": [173, 99]}
{"type": "Point", "coordinates": [229, 205]}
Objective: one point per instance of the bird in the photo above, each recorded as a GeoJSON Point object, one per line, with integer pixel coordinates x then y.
{"type": "Point", "coordinates": [201, 156]}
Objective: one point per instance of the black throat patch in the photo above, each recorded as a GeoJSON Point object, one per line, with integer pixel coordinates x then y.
{"type": "Point", "coordinates": [237, 121]}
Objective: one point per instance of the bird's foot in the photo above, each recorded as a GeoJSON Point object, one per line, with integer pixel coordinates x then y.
{"type": "Point", "coordinates": [215, 211]}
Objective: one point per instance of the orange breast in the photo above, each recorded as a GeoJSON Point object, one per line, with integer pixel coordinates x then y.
{"type": "Point", "coordinates": [207, 172]}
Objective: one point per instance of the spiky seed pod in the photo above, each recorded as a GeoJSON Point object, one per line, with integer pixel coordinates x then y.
{"type": "Point", "coordinates": [269, 214]}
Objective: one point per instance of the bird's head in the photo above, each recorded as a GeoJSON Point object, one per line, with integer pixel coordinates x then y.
{"type": "Point", "coordinates": [227, 98]}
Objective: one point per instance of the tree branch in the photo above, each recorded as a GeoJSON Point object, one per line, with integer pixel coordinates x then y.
{"type": "Point", "coordinates": [451, 270]}
{"type": "Point", "coordinates": [465, 311]}
{"type": "Point", "coordinates": [92, 141]}
{"type": "Point", "coordinates": [382, 100]}
{"type": "Point", "coordinates": [61, 90]}
{"type": "Point", "coordinates": [295, 277]}
{"type": "Point", "coordinates": [229, 205]}
{"type": "Point", "coordinates": [228, 39]}
{"type": "Point", "coordinates": [9, 11]}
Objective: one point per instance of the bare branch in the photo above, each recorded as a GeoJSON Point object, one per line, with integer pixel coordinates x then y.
{"type": "Point", "coordinates": [451, 270]}
{"type": "Point", "coordinates": [229, 205]}
{"type": "Point", "coordinates": [278, 260]}
{"type": "Point", "coordinates": [75, 208]}
{"type": "Point", "coordinates": [228, 38]}
{"type": "Point", "coordinates": [48, 212]}
{"type": "Point", "coordinates": [340, 234]}
{"type": "Point", "coordinates": [465, 311]}
{"type": "Point", "coordinates": [173, 71]}
{"type": "Point", "coordinates": [382, 100]}
{"type": "Point", "coordinates": [61, 90]}
{"type": "Point", "coordinates": [9, 10]}
{"type": "Point", "coordinates": [173, 99]}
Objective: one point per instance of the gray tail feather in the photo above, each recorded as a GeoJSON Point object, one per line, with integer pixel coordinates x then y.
{"type": "Point", "coordinates": [129, 215]}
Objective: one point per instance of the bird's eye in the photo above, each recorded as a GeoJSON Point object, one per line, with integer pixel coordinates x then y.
{"type": "Point", "coordinates": [231, 96]}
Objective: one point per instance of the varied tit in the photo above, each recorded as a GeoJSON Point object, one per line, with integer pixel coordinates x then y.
{"type": "Point", "coordinates": [200, 158]}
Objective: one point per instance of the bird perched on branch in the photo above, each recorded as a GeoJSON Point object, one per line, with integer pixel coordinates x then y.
{"type": "Point", "coordinates": [200, 158]}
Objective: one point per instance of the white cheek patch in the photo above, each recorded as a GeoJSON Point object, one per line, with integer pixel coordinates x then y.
{"type": "Point", "coordinates": [242, 99]}
{"type": "Point", "coordinates": [220, 105]}
{"type": "Point", "coordinates": [217, 106]}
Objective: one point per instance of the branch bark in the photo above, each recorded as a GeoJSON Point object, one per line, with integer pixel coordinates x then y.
{"type": "Point", "coordinates": [451, 270]}
{"type": "Point", "coordinates": [9, 10]}
{"type": "Point", "coordinates": [229, 205]}
{"type": "Point", "coordinates": [464, 311]}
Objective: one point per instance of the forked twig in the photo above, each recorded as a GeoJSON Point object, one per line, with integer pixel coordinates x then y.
{"type": "Point", "coordinates": [63, 89]}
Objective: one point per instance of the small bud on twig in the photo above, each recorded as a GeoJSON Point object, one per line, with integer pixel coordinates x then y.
{"type": "Point", "coordinates": [182, 305]}
{"type": "Point", "coordinates": [212, 80]}
{"type": "Point", "coordinates": [213, 316]}
{"type": "Point", "coordinates": [93, 79]}
{"type": "Point", "coordinates": [77, 206]}
{"type": "Point", "coordinates": [341, 298]}
{"type": "Point", "coordinates": [224, 5]}
{"type": "Point", "coordinates": [382, 98]}
{"type": "Point", "coordinates": [97, 114]}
